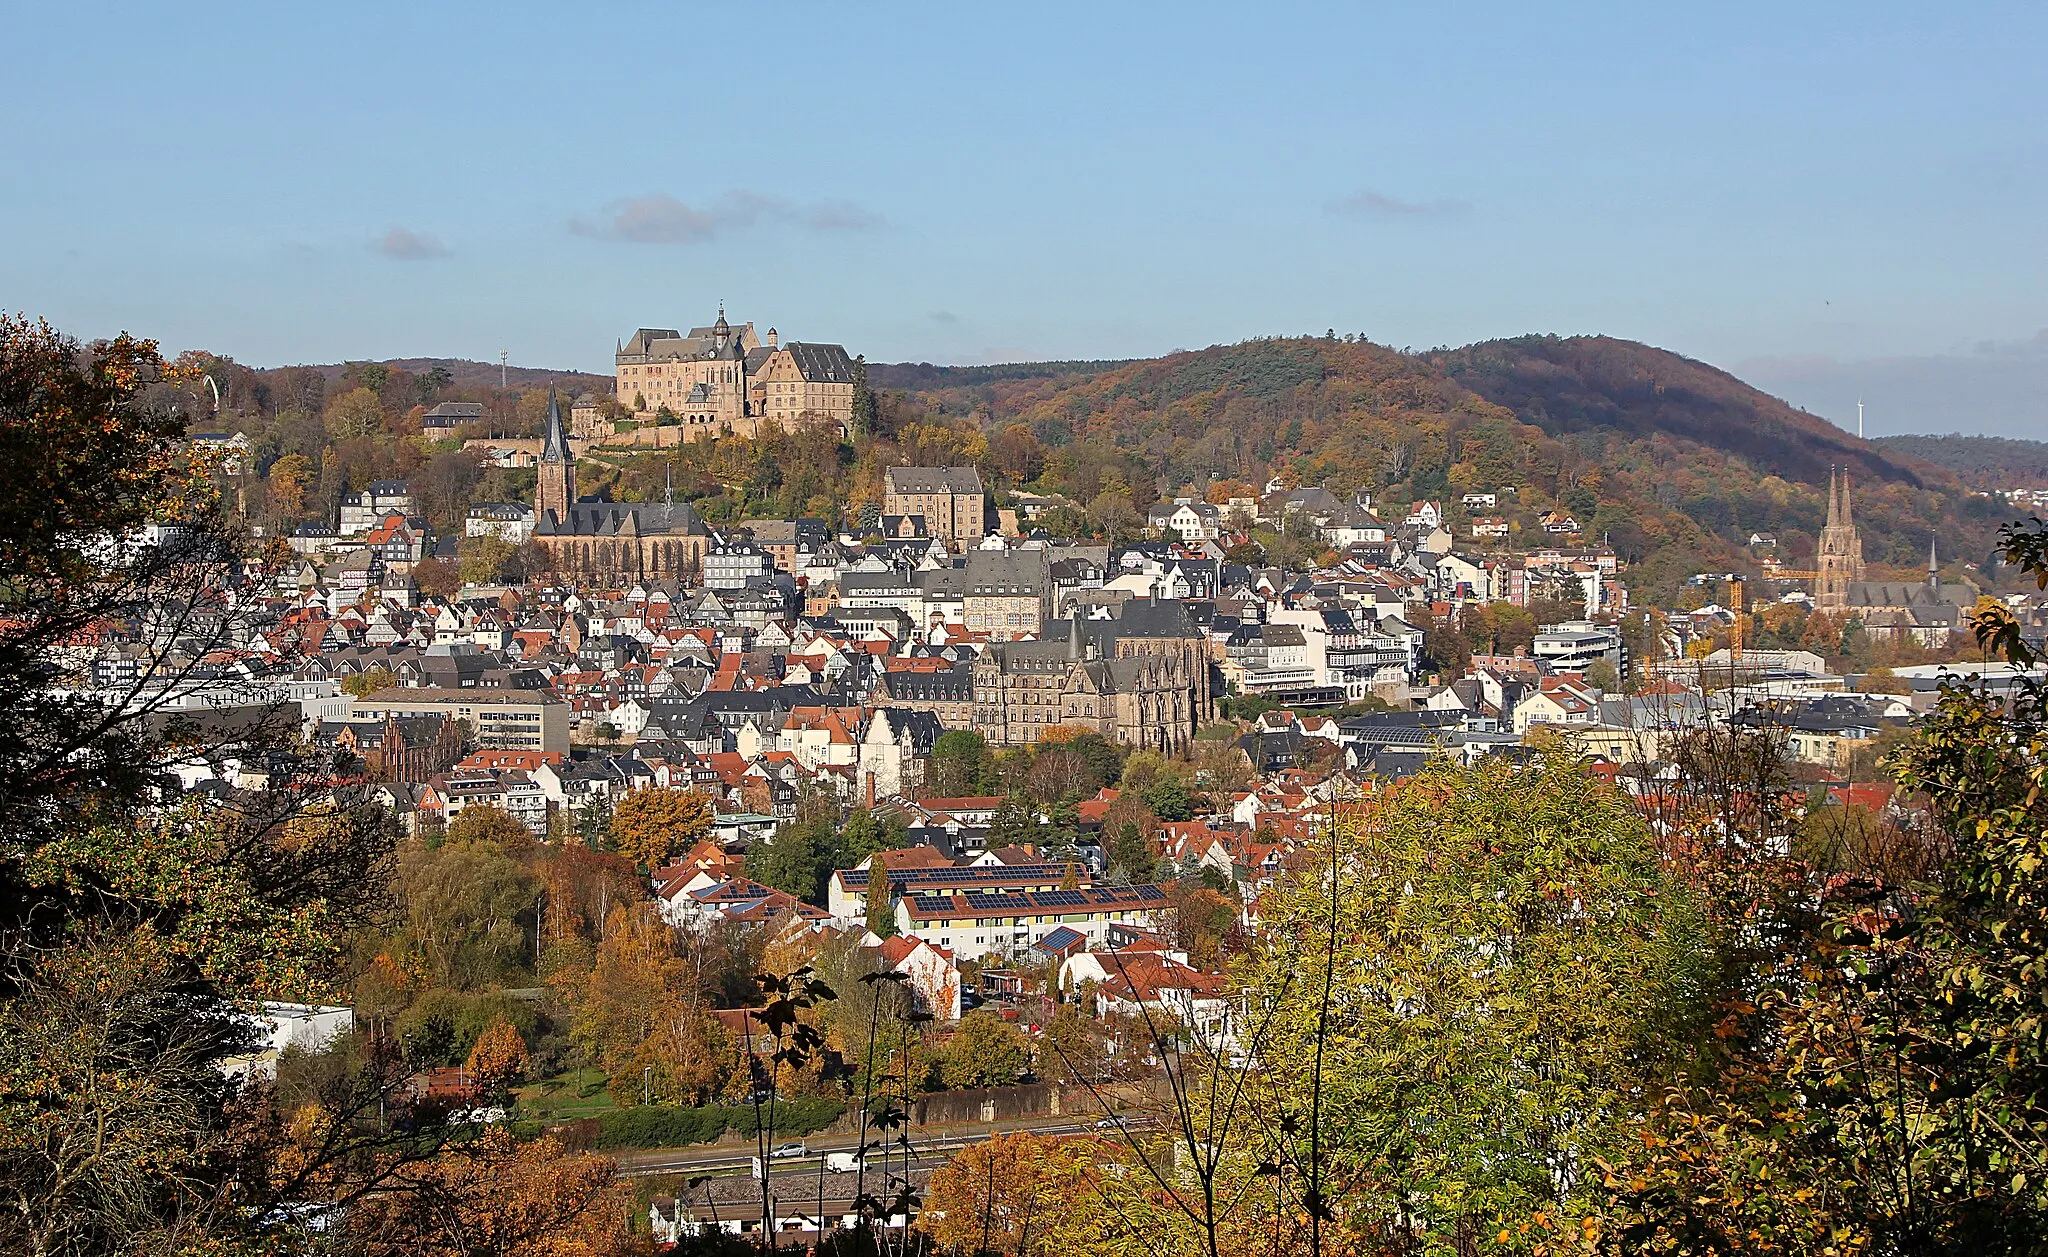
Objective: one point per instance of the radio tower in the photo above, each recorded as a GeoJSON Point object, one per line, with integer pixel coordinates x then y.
{"type": "Point", "coordinates": [503, 354]}
{"type": "Point", "coordinates": [1859, 418]}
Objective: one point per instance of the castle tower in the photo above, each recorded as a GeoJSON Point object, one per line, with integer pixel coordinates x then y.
{"type": "Point", "coordinates": [557, 486]}
{"type": "Point", "coordinates": [1840, 560]}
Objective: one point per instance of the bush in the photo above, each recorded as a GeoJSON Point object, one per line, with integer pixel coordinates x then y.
{"type": "Point", "coordinates": [673, 1126]}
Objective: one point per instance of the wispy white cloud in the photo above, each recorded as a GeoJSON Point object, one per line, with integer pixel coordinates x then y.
{"type": "Point", "coordinates": [1370, 204]}
{"type": "Point", "coordinates": [658, 218]}
{"type": "Point", "coordinates": [402, 244]}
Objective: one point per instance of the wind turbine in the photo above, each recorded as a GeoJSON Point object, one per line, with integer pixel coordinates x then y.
{"type": "Point", "coordinates": [1859, 418]}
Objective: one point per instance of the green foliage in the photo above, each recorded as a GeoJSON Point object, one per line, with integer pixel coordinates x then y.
{"type": "Point", "coordinates": [958, 766]}
{"type": "Point", "coordinates": [865, 833]}
{"type": "Point", "coordinates": [1169, 800]}
{"type": "Point", "coordinates": [1511, 968]}
{"type": "Point", "coordinates": [881, 902]}
{"type": "Point", "coordinates": [985, 1051]}
{"type": "Point", "coordinates": [676, 1126]}
{"type": "Point", "coordinates": [465, 905]}
{"type": "Point", "coordinates": [797, 860]}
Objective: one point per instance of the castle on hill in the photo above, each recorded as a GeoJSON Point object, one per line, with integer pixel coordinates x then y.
{"type": "Point", "coordinates": [723, 380]}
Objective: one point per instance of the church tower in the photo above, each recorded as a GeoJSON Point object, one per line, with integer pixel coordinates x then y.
{"type": "Point", "coordinates": [1840, 561]}
{"type": "Point", "coordinates": [557, 487]}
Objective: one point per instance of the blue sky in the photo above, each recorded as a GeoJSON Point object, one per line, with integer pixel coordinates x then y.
{"type": "Point", "coordinates": [1791, 191]}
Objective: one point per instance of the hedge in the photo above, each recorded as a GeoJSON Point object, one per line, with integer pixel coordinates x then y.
{"type": "Point", "coordinates": [673, 1126]}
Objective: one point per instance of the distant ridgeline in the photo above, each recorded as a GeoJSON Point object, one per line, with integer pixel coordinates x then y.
{"type": "Point", "coordinates": [1674, 462]}
{"type": "Point", "coordinates": [1987, 462]}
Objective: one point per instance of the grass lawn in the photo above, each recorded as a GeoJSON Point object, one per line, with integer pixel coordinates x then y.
{"type": "Point", "coordinates": [579, 1093]}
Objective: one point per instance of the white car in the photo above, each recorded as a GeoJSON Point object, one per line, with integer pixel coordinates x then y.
{"type": "Point", "coordinates": [790, 1150]}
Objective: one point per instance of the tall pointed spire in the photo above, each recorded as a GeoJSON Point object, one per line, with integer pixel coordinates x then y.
{"type": "Point", "coordinates": [1933, 564]}
{"type": "Point", "coordinates": [555, 489]}
{"type": "Point", "coordinates": [1834, 498]}
{"type": "Point", "coordinates": [554, 444]}
{"type": "Point", "coordinates": [1848, 512]}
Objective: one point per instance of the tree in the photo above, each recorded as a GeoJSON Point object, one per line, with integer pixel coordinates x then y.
{"type": "Point", "coordinates": [652, 826]}
{"type": "Point", "coordinates": [1501, 965]}
{"type": "Point", "coordinates": [485, 823]}
{"type": "Point", "coordinates": [985, 1051]}
{"type": "Point", "coordinates": [639, 1009]}
{"type": "Point", "coordinates": [1169, 800]}
{"type": "Point", "coordinates": [796, 860]}
{"type": "Point", "coordinates": [354, 415]}
{"type": "Point", "coordinates": [958, 764]}
{"type": "Point", "coordinates": [881, 903]}
{"type": "Point", "coordinates": [865, 833]}
{"type": "Point", "coordinates": [363, 684]}
{"type": "Point", "coordinates": [436, 577]}
{"type": "Point", "coordinates": [1020, 1194]}
{"type": "Point", "coordinates": [1129, 852]}
{"type": "Point", "coordinates": [129, 929]}
{"type": "Point", "coordinates": [290, 477]}
{"type": "Point", "coordinates": [1890, 1096]}
{"type": "Point", "coordinates": [1058, 773]}
{"type": "Point", "coordinates": [497, 1197]}
{"type": "Point", "coordinates": [463, 903]}
{"type": "Point", "coordinates": [498, 1060]}
{"type": "Point", "coordinates": [484, 560]}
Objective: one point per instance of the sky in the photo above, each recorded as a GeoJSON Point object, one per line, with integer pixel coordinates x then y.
{"type": "Point", "coordinates": [1831, 199]}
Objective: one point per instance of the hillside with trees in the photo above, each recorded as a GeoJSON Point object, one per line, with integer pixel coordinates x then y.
{"type": "Point", "coordinates": [1989, 462]}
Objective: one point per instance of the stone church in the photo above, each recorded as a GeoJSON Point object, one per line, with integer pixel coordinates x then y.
{"type": "Point", "coordinates": [599, 541]}
{"type": "Point", "coordinates": [1928, 612]}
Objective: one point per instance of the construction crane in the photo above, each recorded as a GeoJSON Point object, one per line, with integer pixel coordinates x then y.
{"type": "Point", "coordinates": [1736, 587]}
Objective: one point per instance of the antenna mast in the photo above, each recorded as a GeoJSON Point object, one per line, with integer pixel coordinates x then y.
{"type": "Point", "coordinates": [1859, 418]}
{"type": "Point", "coordinates": [503, 354]}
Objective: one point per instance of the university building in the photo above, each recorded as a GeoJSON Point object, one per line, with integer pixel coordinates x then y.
{"type": "Point", "coordinates": [1141, 691]}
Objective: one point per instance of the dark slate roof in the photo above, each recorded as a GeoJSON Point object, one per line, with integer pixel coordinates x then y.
{"type": "Point", "coordinates": [829, 364]}
{"type": "Point", "coordinates": [612, 519]}
{"type": "Point", "coordinates": [934, 479]}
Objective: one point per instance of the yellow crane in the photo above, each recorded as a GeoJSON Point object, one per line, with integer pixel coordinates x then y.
{"type": "Point", "coordinates": [1736, 586]}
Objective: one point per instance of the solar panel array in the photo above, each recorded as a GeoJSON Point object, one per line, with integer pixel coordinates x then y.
{"type": "Point", "coordinates": [856, 878]}
{"type": "Point", "coordinates": [983, 903]}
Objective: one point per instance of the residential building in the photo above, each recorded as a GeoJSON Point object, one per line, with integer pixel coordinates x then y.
{"type": "Point", "coordinates": [972, 925]}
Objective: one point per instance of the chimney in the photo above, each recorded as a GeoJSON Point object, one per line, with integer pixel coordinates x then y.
{"type": "Point", "coordinates": [1074, 637]}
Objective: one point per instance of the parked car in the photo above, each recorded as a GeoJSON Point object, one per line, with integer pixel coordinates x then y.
{"type": "Point", "coordinates": [789, 1150]}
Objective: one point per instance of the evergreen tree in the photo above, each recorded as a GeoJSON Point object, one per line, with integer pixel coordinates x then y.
{"type": "Point", "coordinates": [881, 902]}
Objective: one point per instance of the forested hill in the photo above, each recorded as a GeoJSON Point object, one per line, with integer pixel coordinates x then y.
{"type": "Point", "coordinates": [1674, 461]}
{"type": "Point", "coordinates": [1581, 384]}
{"type": "Point", "coordinates": [466, 373]}
{"type": "Point", "coordinates": [1990, 462]}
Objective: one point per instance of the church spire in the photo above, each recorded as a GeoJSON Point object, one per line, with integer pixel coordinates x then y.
{"type": "Point", "coordinates": [554, 444]}
{"type": "Point", "coordinates": [1933, 565]}
{"type": "Point", "coordinates": [555, 489]}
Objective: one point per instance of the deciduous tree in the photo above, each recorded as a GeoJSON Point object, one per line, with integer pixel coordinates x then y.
{"type": "Point", "coordinates": [651, 826]}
